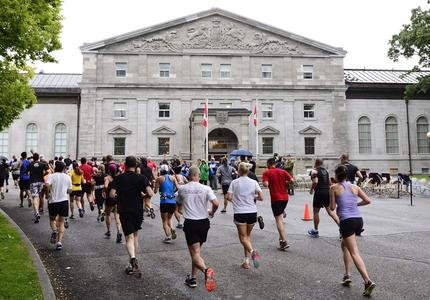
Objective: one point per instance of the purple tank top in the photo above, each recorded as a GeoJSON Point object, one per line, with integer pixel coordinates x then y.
{"type": "Point", "coordinates": [347, 203]}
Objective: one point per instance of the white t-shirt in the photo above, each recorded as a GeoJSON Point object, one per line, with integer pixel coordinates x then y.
{"type": "Point", "coordinates": [59, 183]}
{"type": "Point", "coordinates": [195, 197]}
{"type": "Point", "coordinates": [244, 190]}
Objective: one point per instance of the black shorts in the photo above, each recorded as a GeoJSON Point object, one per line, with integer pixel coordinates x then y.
{"type": "Point", "coordinates": [24, 185]}
{"type": "Point", "coordinates": [321, 198]}
{"type": "Point", "coordinates": [350, 226]}
{"type": "Point", "coordinates": [196, 231]}
{"type": "Point", "coordinates": [99, 197]}
{"type": "Point", "coordinates": [59, 209]}
{"type": "Point", "coordinates": [15, 176]}
{"type": "Point", "coordinates": [86, 188]}
{"type": "Point", "coordinates": [1, 181]}
{"type": "Point", "coordinates": [225, 188]}
{"type": "Point", "coordinates": [76, 194]}
{"type": "Point", "coordinates": [167, 208]}
{"type": "Point", "coordinates": [245, 218]}
{"type": "Point", "coordinates": [131, 222]}
{"type": "Point", "coordinates": [278, 207]}
{"type": "Point", "coordinates": [111, 202]}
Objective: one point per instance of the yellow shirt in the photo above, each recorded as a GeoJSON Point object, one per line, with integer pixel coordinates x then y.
{"type": "Point", "coordinates": [76, 181]}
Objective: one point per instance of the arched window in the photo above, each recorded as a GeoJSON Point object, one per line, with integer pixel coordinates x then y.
{"type": "Point", "coordinates": [364, 136]}
{"type": "Point", "coordinates": [31, 137]}
{"type": "Point", "coordinates": [422, 140]}
{"type": "Point", "coordinates": [4, 143]}
{"type": "Point", "coordinates": [391, 135]}
{"type": "Point", "coordinates": [60, 140]}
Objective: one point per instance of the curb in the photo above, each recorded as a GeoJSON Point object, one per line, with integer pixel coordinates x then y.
{"type": "Point", "coordinates": [45, 283]}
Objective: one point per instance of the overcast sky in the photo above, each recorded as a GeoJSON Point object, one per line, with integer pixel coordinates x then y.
{"type": "Point", "coordinates": [361, 27]}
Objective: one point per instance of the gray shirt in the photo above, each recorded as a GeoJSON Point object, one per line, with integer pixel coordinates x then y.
{"type": "Point", "coordinates": [226, 174]}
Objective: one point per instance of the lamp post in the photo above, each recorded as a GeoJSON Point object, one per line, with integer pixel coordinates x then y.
{"type": "Point", "coordinates": [409, 148]}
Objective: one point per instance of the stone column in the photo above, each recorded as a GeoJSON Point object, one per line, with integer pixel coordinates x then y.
{"type": "Point", "coordinates": [99, 134]}
{"type": "Point", "coordinates": [141, 141]}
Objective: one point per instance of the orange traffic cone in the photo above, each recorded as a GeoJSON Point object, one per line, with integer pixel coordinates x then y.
{"type": "Point", "coordinates": [307, 215]}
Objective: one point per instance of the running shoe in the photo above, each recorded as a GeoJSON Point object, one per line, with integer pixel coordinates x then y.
{"type": "Point", "coordinates": [368, 288]}
{"type": "Point", "coordinates": [72, 217]}
{"type": "Point", "coordinates": [190, 281]}
{"type": "Point", "coordinates": [92, 206]}
{"type": "Point", "coordinates": [59, 246]}
{"type": "Point", "coordinates": [223, 211]}
{"type": "Point", "coordinates": [210, 279]}
{"type": "Point", "coordinates": [102, 218]}
{"type": "Point", "coordinates": [2, 196]}
{"type": "Point", "coordinates": [245, 265]}
{"type": "Point", "coordinates": [283, 245]}
{"type": "Point", "coordinates": [167, 240]}
{"type": "Point", "coordinates": [21, 205]}
{"type": "Point", "coordinates": [180, 226]}
{"type": "Point", "coordinates": [173, 233]}
{"type": "Point", "coordinates": [81, 213]}
{"type": "Point", "coordinates": [260, 222]}
{"type": "Point", "coordinates": [118, 237]}
{"type": "Point", "coordinates": [36, 218]}
{"type": "Point", "coordinates": [107, 234]}
{"type": "Point", "coordinates": [98, 218]}
{"type": "Point", "coordinates": [255, 256]}
{"type": "Point", "coordinates": [313, 233]}
{"type": "Point", "coordinates": [152, 213]}
{"type": "Point", "coordinates": [346, 280]}
{"type": "Point", "coordinates": [133, 268]}
{"type": "Point", "coordinates": [53, 239]}
{"type": "Point", "coordinates": [129, 269]}
{"type": "Point", "coordinates": [66, 223]}
{"type": "Point", "coordinates": [7, 190]}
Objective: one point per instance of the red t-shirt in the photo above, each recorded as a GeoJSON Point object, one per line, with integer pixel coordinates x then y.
{"type": "Point", "coordinates": [88, 172]}
{"type": "Point", "coordinates": [152, 165]}
{"type": "Point", "coordinates": [277, 179]}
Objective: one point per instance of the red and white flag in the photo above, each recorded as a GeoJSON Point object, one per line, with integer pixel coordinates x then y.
{"type": "Point", "coordinates": [205, 116]}
{"type": "Point", "coordinates": [255, 115]}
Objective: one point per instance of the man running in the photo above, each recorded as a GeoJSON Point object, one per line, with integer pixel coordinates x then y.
{"type": "Point", "coordinates": [24, 180]}
{"type": "Point", "coordinates": [146, 171]}
{"type": "Point", "coordinates": [226, 173]}
{"type": "Point", "coordinates": [128, 187]}
{"type": "Point", "coordinates": [14, 168]}
{"type": "Point", "coordinates": [195, 197]}
{"type": "Point", "coordinates": [87, 187]}
{"type": "Point", "coordinates": [60, 185]}
{"type": "Point", "coordinates": [320, 185]}
{"type": "Point", "coordinates": [353, 171]}
{"type": "Point", "coordinates": [37, 170]}
{"type": "Point", "coordinates": [212, 175]}
{"type": "Point", "coordinates": [277, 181]}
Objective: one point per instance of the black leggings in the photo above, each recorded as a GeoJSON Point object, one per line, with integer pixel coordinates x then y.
{"type": "Point", "coordinates": [205, 182]}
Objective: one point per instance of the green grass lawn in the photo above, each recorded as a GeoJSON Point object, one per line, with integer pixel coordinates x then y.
{"type": "Point", "coordinates": [421, 176]}
{"type": "Point", "coordinates": [18, 278]}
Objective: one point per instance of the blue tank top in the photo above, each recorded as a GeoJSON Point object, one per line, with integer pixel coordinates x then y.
{"type": "Point", "coordinates": [347, 203]}
{"type": "Point", "coordinates": [167, 191]}
{"type": "Point", "coordinates": [23, 174]}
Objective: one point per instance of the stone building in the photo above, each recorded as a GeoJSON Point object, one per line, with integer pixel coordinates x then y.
{"type": "Point", "coordinates": [143, 93]}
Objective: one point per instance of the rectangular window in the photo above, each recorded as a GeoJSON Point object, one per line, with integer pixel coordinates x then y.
{"type": "Point", "coordinates": [309, 145]}
{"type": "Point", "coordinates": [225, 71]}
{"type": "Point", "coordinates": [364, 139]}
{"type": "Point", "coordinates": [163, 146]}
{"type": "Point", "coordinates": [4, 144]}
{"type": "Point", "coordinates": [119, 146]}
{"type": "Point", "coordinates": [266, 71]}
{"type": "Point", "coordinates": [121, 69]}
{"type": "Point", "coordinates": [308, 71]}
{"type": "Point", "coordinates": [267, 145]}
{"type": "Point", "coordinates": [206, 71]}
{"type": "Point", "coordinates": [164, 70]}
{"type": "Point", "coordinates": [120, 109]}
{"type": "Point", "coordinates": [309, 111]}
{"type": "Point", "coordinates": [422, 140]}
{"type": "Point", "coordinates": [267, 110]}
{"type": "Point", "coordinates": [164, 110]}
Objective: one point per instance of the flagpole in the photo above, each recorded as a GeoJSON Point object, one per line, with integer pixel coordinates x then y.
{"type": "Point", "coordinates": [256, 131]}
{"type": "Point", "coordinates": [207, 131]}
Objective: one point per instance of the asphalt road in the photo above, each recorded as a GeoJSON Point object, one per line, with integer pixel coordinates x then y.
{"type": "Point", "coordinates": [395, 247]}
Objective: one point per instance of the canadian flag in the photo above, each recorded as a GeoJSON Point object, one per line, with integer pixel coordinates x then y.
{"type": "Point", "coordinates": [255, 115]}
{"type": "Point", "coordinates": [205, 116]}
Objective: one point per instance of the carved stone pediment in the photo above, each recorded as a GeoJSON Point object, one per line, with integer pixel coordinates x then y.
{"type": "Point", "coordinates": [310, 130]}
{"type": "Point", "coordinates": [119, 130]}
{"type": "Point", "coordinates": [164, 130]}
{"type": "Point", "coordinates": [268, 130]}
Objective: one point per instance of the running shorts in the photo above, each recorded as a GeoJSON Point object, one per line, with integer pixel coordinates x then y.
{"type": "Point", "coordinates": [245, 218]}
{"type": "Point", "coordinates": [196, 231]}
{"type": "Point", "coordinates": [59, 209]}
{"type": "Point", "coordinates": [99, 197]}
{"type": "Point", "coordinates": [350, 226]}
{"type": "Point", "coordinates": [167, 208]}
{"type": "Point", "coordinates": [36, 188]}
{"type": "Point", "coordinates": [76, 194]}
{"type": "Point", "coordinates": [2, 182]}
{"type": "Point", "coordinates": [131, 222]}
{"type": "Point", "coordinates": [225, 188]}
{"type": "Point", "coordinates": [24, 185]}
{"type": "Point", "coordinates": [111, 202]}
{"type": "Point", "coordinates": [15, 176]}
{"type": "Point", "coordinates": [321, 198]}
{"type": "Point", "coordinates": [86, 188]}
{"type": "Point", "coordinates": [278, 207]}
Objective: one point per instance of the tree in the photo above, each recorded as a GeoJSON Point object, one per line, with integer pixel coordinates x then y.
{"type": "Point", "coordinates": [414, 40]}
{"type": "Point", "coordinates": [29, 32]}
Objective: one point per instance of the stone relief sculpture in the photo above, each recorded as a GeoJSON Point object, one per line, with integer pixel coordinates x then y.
{"type": "Point", "coordinates": [212, 34]}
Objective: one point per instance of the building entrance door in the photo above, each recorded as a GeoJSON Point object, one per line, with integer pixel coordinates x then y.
{"type": "Point", "coordinates": [221, 142]}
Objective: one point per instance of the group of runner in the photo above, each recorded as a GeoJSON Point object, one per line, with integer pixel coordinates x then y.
{"type": "Point", "coordinates": [120, 188]}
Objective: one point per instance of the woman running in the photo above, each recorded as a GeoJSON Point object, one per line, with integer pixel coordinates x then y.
{"type": "Point", "coordinates": [343, 198]}
{"type": "Point", "coordinates": [243, 193]}
{"type": "Point", "coordinates": [76, 195]}
{"type": "Point", "coordinates": [181, 179]}
{"type": "Point", "coordinates": [110, 203]}
{"type": "Point", "coordinates": [146, 171]}
{"type": "Point", "coordinates": [167, 185]}
{"type": "Point", "coordinates": [99, 185]}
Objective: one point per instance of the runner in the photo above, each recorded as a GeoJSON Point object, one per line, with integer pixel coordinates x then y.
{"type": "Point", "coordinates": [76, 194]}
{"type": "Point", "coordinates": [99, 186]}
{"type": "Point", "coordinates": [343, 198]}
{"type": "Point", "coordinates": [87, 186]}
{"type": "Point", "coordinates": [167, 185]}
{"type": "Point", "coordinates": [277, 180]}
{"type": "Point", "coordinates": [353, 171]}
{"type": "Point", "coordinates": [37, 170]}
{"type": "Point", "coordinates": [321, 185]}
{"type": "Point", "coordinates": [181, 179]}
{"type": "Point", "coordinates": [4, 170]}
{"type": "Point", "coordinates": [195, 197]}
{"type": "Point", "coordinates": [212, 175]}
{"type": "Point", "coordinates": [59, 186]}
{"type": "Point", "coordinates": [24, 180]}
{"type": "Point", "coordinates": [111, 204]}
{"type": "Point", "coordinates": [225, 172]}
{"type": "Point", "coordinates": [146, 171]}
{"type": "Point", "coordinates": [128, 188]}
{"type": "Point", "coordinates": [242, 193]}
{"type": "Point", "coordinates": [14, 167]}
